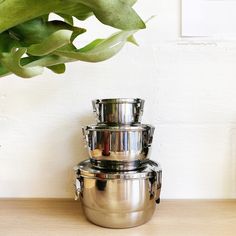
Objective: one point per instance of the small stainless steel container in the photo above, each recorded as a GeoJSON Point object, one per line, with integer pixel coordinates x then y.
{"type": "Point", "coordinates": [118, 199]}
{"type": "Point", "coordinates": [116, 111]}
{"type": "Point", "coordinates": [118, 147]}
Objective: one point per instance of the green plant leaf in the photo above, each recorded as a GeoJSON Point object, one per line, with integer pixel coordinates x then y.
{"type": "Point", "coordinates": [50, 44]}
{"type": "Point", "coordinates": [29, 41]}
{"type": "Point", "coordinates": [67, 18]}
{"type": "Point", "coordinates": [58, 69]}
{"type": "Point", "coordinates": [78, 10]}
{"type": "Point", "coordinates": [115, 13]}
{"type": "Point", "coordinates": [100, 49]}
{"type": "Point", "coordinates": [7, 42]}
{"type": "Point", "coordinates": [3, 71]}
{"type": "Point", "coordinates": [37, 30]}
{"type": "Point", "coordinates": [12, 62]}
{"type": "Point", "coordinates": [132, 40]}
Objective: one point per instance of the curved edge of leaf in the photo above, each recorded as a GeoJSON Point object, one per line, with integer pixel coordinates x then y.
{"type": "Point", "coordinates": [12, 62]}
{"type": "Point", "coordinates": [67, 18]}
{"type": "Point", "coordinates": [100, 49]}
{"type": "Point", "coordinates": [58, 69]}
{"type": "Point", "coordinates": [132, 40]}
{"type": "Point", "coordinates": [116, 13]}
{"type": "Point", "coordinates": [78, 10]}
{"type": "Point", "coordinates": [50, 44]}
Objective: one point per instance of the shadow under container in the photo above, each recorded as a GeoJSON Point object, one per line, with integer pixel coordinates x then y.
{"type": "Point", "coordinates": [118, 199]}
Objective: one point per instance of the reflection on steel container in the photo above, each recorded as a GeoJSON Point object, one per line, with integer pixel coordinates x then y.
{"type": "Point", "coordinates": [118, 111]}
{"type": "Point", "coordinates": [118, 185]}
{"type": "Point", "coordinates": [123, 144]}
{"type": "Point", "coordinates": [118, 199]}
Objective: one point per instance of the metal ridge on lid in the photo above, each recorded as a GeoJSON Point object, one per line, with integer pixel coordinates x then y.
{"type": "Point", "coordinates": [86, 169]}
{"type": "Point", "coordinates": [134, 127]}
{"type": "Point", "coordinates": [118, 100]}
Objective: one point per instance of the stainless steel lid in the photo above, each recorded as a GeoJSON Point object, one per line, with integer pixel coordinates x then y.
{"type": "Point", "coordinates": [104, 127]}
{"type": "Point", "coordinates": [118, 100]}
{"type": "Point", "coordinates": [86, 169]}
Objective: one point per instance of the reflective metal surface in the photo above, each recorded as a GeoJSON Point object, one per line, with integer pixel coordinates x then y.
{"type": "Point", "coordinates": [117, 165]}
{"type": "Point", "coordinates": [118, 199]}
{"type": "Point", "coordinates": [118, 111]}
{"type": "Point", "coordinates": [122, 144]}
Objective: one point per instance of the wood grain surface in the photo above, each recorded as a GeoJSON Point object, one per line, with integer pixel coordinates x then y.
{"type": "Point", "coordinates": [65, 217]}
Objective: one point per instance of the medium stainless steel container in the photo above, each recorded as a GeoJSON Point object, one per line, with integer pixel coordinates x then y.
{"type": "Point", "coordinates": [118, 147]}
{"type": "Point", "coordinates": [118, 111]}
{"type": "Point", "coordinates": [118, 199]}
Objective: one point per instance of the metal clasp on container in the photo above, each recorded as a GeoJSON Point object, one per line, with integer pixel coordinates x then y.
{"type": "Point", "coordinates": [152, 182]}
{"type": "Point", "coordinates": [159, 182]}
{"type": "Point", "coordinates": [78, 188]}
{"type": "Point", "coordinates": [95, 109]}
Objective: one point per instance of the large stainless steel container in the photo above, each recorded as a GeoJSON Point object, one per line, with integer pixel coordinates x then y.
{"type": "Point", "coordinates": [118, 111]}
{"type": "Point", "coordinates": [118, 147]}
{"type": "Point", "coordinates": [118, 199]}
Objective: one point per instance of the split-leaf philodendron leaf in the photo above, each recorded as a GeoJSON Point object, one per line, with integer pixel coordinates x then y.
{"type": "Point", "coordinates": [30, 42]}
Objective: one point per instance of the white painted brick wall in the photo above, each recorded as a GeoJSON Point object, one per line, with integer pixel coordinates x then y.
{"type": "Point", "coordinates": [189, 86]}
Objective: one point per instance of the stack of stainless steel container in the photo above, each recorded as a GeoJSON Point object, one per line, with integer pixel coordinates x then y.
{"type": "Point", "coordinates": [118, 185]}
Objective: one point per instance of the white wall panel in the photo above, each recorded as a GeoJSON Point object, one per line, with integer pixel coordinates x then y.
{"type": "Point", "coordinates": [189, 86]}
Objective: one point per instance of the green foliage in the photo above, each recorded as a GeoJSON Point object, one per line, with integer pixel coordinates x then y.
{"type": "Point", "coordinates": [29, 41]}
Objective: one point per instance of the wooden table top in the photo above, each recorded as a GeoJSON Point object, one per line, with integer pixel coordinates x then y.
{"type": "Point", "coordinates": [65, 217]}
